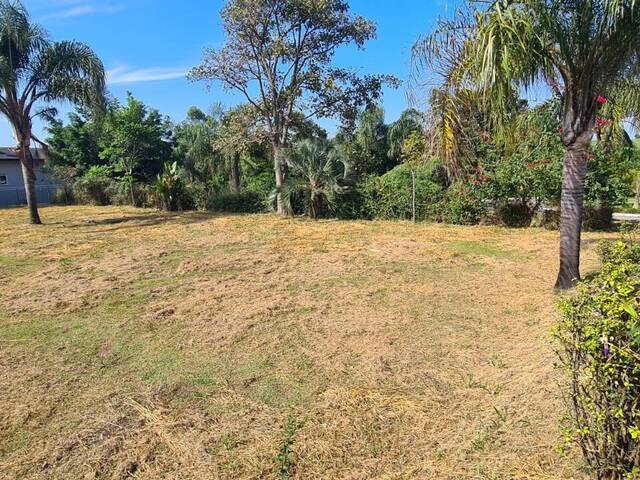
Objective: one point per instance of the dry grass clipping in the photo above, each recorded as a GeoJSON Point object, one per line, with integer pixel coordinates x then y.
{"type": "Point", "coordinates": [140, 345]}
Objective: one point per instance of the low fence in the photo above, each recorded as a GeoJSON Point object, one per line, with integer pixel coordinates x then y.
{"type": "Point", "coordinates": [11, 196]}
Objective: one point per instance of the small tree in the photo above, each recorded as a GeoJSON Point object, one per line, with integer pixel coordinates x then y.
{"type": "Point", "coordinates": [35, 71]}
{"type": "Point", "coordinates": [136, 141]}
{"type": "Point", "coordinates": [317, 175]}
{"type": "Point", "coordinates": [278, 55]}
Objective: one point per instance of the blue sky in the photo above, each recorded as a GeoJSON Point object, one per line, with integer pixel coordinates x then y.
{"type": "Point", "coordinates": [147, 46]}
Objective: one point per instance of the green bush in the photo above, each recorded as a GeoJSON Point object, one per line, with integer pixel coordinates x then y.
{"type": "Point", "coordinates": [94, 190]}
{"type": "Point", "coordinates": [170, 188]}
{"type": "Point", "coordinates": [243, 202]}
{"type": "Point", "coordinates": [390, 196]}
{"type": "Point", "coordinates": [464, 204]}
{"type": "Point", "coordinates": [608, 180]}
{"type": "Point", "coordinates": [599, 348]}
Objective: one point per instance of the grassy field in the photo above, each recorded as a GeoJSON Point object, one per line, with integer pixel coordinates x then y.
{"type": "Point", "coordinates": [140, 345]}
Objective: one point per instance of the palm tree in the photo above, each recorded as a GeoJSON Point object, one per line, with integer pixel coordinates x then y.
{"type": "Point", "coordinates": [34, 72]}
{"type": "Point", "coordinates": [582, 49]}
{"type": "Point", "coordinates": [317, 173]}
{"type": "Point", "coordinates": [411, 121]}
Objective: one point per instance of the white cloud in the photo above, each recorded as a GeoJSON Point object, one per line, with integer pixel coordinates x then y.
{"type": "Point", "coordinates": [123, 75]}
{"type": "Point", "coordinates": [62, 9]}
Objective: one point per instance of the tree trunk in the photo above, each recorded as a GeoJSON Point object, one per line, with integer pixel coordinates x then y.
{"type": "Point", "coordinates": [636, 203]}
{"type": "Point", "coordinates": [572, 205]}
{"type": "Point", "coordinates": [29, 176]}
{"type": "Point", "coordinates": [234, 175]}
{"type": "Point", "coordinates": [278, 165]}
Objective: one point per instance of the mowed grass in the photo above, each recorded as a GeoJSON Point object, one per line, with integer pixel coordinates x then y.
{"type": "Point", "coordinates": [135, 344]}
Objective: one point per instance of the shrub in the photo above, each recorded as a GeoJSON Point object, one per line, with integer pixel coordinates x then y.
{"type": "Point", "coordinates": [170, 188]}
{"type": "Point", "coordinates": [94, 190]}
{"type": "Point", "coordinates": [243, 202]}
{"type": "Point", "coordinates": [599, 347]}
{"type": "Point", "coordinates": [515, 214]}
{"type": "Point", "coordinates": [390, 196]}
{"type": "Point", "coordinates": [464, 204]}
{"type": "Point", "coordinates": [597, 217]}
{"type": "Point", "coordinates": [608, 180]}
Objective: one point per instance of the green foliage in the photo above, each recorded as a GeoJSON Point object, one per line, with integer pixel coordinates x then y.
{"type": "Point", "coordinates": [243, 202]}
{"type": "Point", "coordinates": [390, 196]}
{"type": "Point", "coordinates": [170, 187]}
{"type": "Point", "coordinates": [608, 181]}
{"type": "Point", "coordinates": [194, 145]}
{"type": "Point", "coordinates": [94, 189]}
{"type": "Point", "coordinates": [99, 171]}
{"type": "Point", "coordinates": [286, 457]}
{"type": "Point", "coordinates": [136, 140]}
{"type": "Point", "coordinates": [367, 149]}
{"type": "Point", "coordinates": [74, 144]}
{"type": "Point", "coordinates": [317, 178]}
{"type": "Point", "coordinates": [599, 348]}
{"type": "Point", "coordinates": [464, 204]}
{"type": "Point", "coordinates": [526, 166]}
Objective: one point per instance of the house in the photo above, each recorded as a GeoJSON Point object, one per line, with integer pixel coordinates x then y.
{"type": "Point", "coordinates": [12, 182]}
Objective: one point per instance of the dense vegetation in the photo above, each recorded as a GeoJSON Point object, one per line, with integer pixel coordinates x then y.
{"type": "Point", "coordinates": [223, 162]}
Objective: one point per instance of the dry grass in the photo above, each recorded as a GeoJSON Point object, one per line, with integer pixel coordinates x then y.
{"type": "Point", "coordinates": [148, 346]}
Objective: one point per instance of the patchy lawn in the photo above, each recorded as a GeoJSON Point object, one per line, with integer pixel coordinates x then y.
{"type": "Point", "coordinates": [140, 345]}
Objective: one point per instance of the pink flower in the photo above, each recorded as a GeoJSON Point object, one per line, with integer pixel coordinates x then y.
{"type": "Point", "coordinates": [602, 122]}
{"type": "Point", "coordinates": [601, 100]}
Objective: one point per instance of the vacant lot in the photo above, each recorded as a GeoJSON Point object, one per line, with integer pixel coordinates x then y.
{"type": "Point", "coordinates": [140, 345]}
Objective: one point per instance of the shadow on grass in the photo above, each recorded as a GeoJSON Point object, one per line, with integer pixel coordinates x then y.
{"type": "Point", "coordinates": [148, 220]}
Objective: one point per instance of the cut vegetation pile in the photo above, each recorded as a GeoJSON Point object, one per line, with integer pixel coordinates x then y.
{"type": "Point", "coordinates": [139, 345]}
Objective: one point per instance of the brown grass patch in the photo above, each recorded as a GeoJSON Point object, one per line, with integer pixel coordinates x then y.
{"type": "Point", "coordinates": [140, 345]}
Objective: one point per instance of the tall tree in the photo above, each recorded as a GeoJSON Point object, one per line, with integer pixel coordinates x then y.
{"type": "Point", "coordinates": [35, 72]}
{"type": "Point", "coordinates": [278, 55]}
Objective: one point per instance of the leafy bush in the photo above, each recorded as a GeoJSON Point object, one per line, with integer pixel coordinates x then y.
{"type": "Point", "coordinates": [94, 190]}
{"type": "Point", "coordinates": [464, 204]}
{"type": "Point", "coordinates": [243, 202]}
{"type": "Point", "coordinates": [170, 188]}
{"type": "Point", "coordinates": [599, 347]}
{"type": "Point", "coordinates": [390, 196]}
{"type": "Point", "coordinates": [608, 181]}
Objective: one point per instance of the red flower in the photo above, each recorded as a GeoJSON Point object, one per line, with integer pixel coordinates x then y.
{"type": "Point", "coordinates": [602, 122]}
{"type": "Point", "coordinates": [601, 100]}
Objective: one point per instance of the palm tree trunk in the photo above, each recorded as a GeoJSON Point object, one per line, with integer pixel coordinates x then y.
{"type": "Point", "coordinates": [572, 205]}
{"type": "Point", "coordinates": [29, 176]}
{"type": "Point", "coordinates": [636, 203]}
